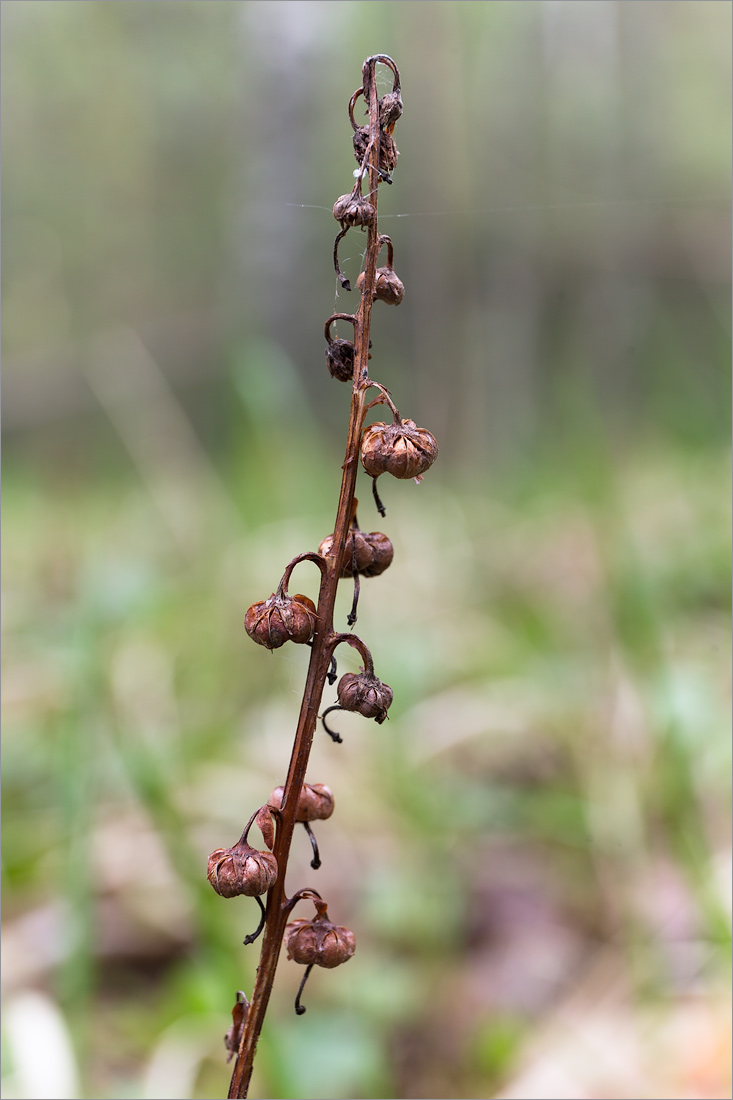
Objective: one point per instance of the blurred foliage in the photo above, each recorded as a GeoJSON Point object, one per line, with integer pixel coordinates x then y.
{"type": "Point", "coordinates": [533, 852]}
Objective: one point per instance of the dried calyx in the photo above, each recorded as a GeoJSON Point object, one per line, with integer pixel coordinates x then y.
{"type": "Point", "coordinates": [366, 553]}
{"type": "Point", "coordinates": [280, 619]}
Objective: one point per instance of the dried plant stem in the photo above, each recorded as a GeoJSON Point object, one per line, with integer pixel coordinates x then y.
{"type": "Point", "coordinates": [324, 642]}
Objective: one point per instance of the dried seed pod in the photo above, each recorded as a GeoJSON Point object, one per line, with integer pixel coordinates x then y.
{"type": "Point", "coordinates": [373, 553]}
{"type": "Point", "coordinates": [353, 210]}
{"type": "Point", "coordinates": [315, 802]}
{"type": "Point", "coordinates": [241, 870]}
{"type": "Point", "coordinates": [401, 449]}
{"type": "Point", "coordinates": [390, 110]}
{"type": "Point", "coordinates": [340, 359]}
{"type": "Point", "coordinates": [366, 694]}
{"type": "Point", "coordinates": [281, 618]}
{"type": "Point", "coordinates": [388, 151]}
{"type": "Point", "coordinates": [318, 942]}
{"type": "Point", "coordinates": [387, 288]}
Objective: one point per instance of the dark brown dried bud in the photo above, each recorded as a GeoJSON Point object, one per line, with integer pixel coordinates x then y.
{"type": "Point", "coordinates": [340, 359]}
{"type": "Point", "coordinates": [387, 288]}
{"type": "Point", "coordinates": [353, 210]}
{"type": "Point", "coordinates": [390, 109]}
{"type": "Point", "coordinates": [388, 151]}
{"type": "Point", "coordinates": [373, 550]}
{"type": "Point", "coordinates": [279, 619]}
{"type": "Point", "coordinates": [401, 449]}
{"type": "Point", "coordinates": [366, 694]}
{"type": "Point", "coordinates": [314, 804]}
{"type": "Point", "coordinates": [241, 870]}
{"type": "Point", "coordinates": [319, 942]}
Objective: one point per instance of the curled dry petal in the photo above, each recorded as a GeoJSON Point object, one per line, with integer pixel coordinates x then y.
{"type": "Point", "coordinates": [241, 870]}
{"type": "Point", "coordinates": [401, 449]}
{"type": "Point", "coordinates": [319, 942]}
{"type": "Point", "coordinates": [314, 804]}
{"type": "Point", "coordinates": [279, 619]}
{"type": "Point", "coordinates": [365, 693]}
{"type": "Point", "coordinates": [373, 553]}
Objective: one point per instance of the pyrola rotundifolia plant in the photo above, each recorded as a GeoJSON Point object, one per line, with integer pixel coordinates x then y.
{"type": "Point", "coordinates": [399, 448]}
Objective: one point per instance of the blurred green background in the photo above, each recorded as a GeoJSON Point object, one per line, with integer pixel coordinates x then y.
{"type": "Point", "coordinates": [533, 852]}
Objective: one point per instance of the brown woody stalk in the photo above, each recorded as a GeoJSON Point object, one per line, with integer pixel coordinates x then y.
{"type": "Point", "coordinates": [325, 639]}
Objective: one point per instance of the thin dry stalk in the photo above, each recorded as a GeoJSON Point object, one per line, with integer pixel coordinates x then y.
{"type": "Point", "coordinates": [400, 449]}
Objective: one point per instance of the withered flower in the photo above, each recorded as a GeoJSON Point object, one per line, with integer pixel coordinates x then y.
{"type": "Point", "coordinates": [281, 618]}
{"type": "Point", "coordinates": [340, 359]}
{"type": "Point", "coordinates": [371, 553]}
{"type": "Point", "coordinates": [365, 693]}
{"type": "Point", "coordinates": [388, 152]}
{"type": "Point", "coordinates": [401, 449]}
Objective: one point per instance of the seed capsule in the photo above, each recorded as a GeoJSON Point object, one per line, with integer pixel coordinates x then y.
{"type": "Point", "coordinates": [319, 942]}
{"type": "Point", "coordinates": [241, 870]}
{"type": "Point", "coordinates": [388, 151]}
{"type": "Point", "coordinates": [281, 618]}
{"type": "Point", "coordinates": [314, 804]}
{"type": "Point", "coordinates": [353, 210]}
{"type": "Point", "coordinates": [401, 449]}
{"type": "Point", "coordinates": [387, 288]}
{"type": "Point", "coordinates": [340, 359]}
{"type": "Point", "coordinates": [373, 553]}
{"type": "Point", "coordinates": [364, 693]}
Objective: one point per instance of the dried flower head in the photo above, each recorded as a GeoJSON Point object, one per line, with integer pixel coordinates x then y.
{"type": "Point", "coordinates": [401, 449]}
{"type": "Point", "coordinates": [315, 802]}
{"type": "Point", "coordinates": [388, 151]}
{"type": "Point", "coordinates": [370, 552]}
{"type": "Point", "coordinates": [281, 618]}
{"type": "Point", "coordinates": [365, 693]}
{"type": "Point", "coordinates": [318, 942]}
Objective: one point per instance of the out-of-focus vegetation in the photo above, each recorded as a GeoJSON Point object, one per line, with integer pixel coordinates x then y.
{"type": "Point", "coordinates": [534, 851]}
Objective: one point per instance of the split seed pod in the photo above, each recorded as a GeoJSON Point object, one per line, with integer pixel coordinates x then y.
{"type": "Point", "coordinates": [241, 870]}
{"type": "Point", "coordinates": [340, 359]}
{"type": "Point", "coordinates": [314, 804]}
{"type": "Point", "coordinates": [390, 110]}
{"type": "Point", "coordinates": [318, 942]}
{"type": "Point", "coordinates": [281, 618]}
{"type": "Point", "coordinates": [401, 449]}
{"type": "Point", "coordinates": [373, 553]}
{"type": "Point", "coordinates": [364, 693]}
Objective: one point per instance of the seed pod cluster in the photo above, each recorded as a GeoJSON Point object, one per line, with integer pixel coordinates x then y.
{"type": "Point", "coordinates": [281, 618]}
{"type": "Point", "coordinates": [371, 553]}
{"type": "Point", "coordinates": [401, 449]}
{"type": "Point", "coordinates": [318, 942]}
{"type": "Point", "coordinates": [364, 693]}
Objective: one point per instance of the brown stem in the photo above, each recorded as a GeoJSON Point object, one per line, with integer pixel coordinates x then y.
{"type": "Point", "coordinates": [323, 646]}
